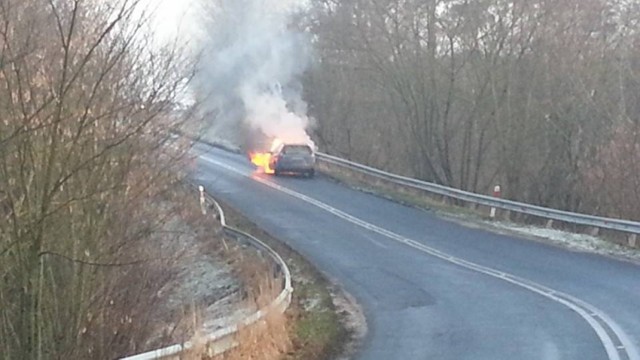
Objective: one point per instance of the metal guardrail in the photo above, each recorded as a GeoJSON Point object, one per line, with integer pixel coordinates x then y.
{"type": "Point", "coordinates": [222, 340]}
{"type": "Point", "coordinates": [626, 226]}
{"type": "Point", "coordinates": [597, 222]}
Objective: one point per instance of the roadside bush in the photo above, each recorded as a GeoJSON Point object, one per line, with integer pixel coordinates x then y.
{"type": "Point", "coordinates": [86, 105]}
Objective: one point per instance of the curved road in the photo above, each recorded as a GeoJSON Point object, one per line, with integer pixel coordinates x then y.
{"type": "Point", "coordinates": [433, 289]}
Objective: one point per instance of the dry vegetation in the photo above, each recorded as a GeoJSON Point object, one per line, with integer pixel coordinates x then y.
{"type": "Point", "coordinates": [85, 107]}
{"type": "Point", "coordinates": [269, 339]}
{"type": "Point", "coordinates": [539, 96]}
{"type": "Point", "coordinates": [266, 339]}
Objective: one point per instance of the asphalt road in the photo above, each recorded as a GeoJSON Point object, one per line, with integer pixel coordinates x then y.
{"type": "Point", "coordinates": [433, 289]}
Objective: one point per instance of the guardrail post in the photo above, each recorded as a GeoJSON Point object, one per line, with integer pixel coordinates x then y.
{"type": "Point", "coordinates": [549, 223]}
{"type": "Point", "coordinates": [595, 231]}
{"type": "Point", "coordinates": [633, 240]}
{"type": "Point", "coordinates": [202, 203]}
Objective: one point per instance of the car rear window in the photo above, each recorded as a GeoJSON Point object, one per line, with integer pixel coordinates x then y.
{"type": "Point", "coordinates": [296, 149]}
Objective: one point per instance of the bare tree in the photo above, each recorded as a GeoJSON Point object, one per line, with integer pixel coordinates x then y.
{"type": "Point", "coordinates": [86, 103]}
{"type": "Point", "coordinates": [474, 93]}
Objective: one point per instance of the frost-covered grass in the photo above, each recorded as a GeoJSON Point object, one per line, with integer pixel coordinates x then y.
{"type": "Point", "coordinates": [573, 241]}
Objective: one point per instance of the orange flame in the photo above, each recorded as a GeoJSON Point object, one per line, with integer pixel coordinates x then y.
{"type": "Point", "coordinates": [262, 160]}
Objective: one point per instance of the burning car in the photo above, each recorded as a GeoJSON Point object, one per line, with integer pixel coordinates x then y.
{"type": "Point", "coordinates": [286, 158]}
{"type": "Point", "coordinates": [293, 158]}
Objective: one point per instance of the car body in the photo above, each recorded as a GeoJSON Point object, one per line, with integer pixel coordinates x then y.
{"type": "Point", "coordinates": [293, 159]}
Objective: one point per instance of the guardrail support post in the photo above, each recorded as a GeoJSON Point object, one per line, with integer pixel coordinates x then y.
{"type": "Point", "coordinates": [595, 231]}
{"type": "Point", "coordinates": [549, 223]}
{"type": "Point", "coordinates": [507, 215]}
{"type": "Point", "coordinates": [633, 240]}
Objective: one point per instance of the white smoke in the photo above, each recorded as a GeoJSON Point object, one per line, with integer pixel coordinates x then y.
{"type": "Point", "coordinates": [250, 68]}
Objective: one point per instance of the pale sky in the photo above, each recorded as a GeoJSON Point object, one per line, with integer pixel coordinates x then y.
{"type": "Point", "coordinates": [173, 17]}
{"type": "Point", "coordinates": [181, 16]}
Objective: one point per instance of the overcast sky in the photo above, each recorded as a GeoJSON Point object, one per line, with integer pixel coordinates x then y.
{"type": "Point", "coordinates": [181, 16]}
{"type": "Point", "coordinates": [173, 16]}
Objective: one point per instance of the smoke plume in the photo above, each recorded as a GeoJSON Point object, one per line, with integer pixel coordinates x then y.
{"type": "Point", "coordinates": [250, 68]}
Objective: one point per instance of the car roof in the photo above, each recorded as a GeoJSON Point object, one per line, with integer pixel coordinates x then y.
{"type": "Point", "coordinates": [284, 146]}
{"type": "Point", "coordinates": [296, 144]}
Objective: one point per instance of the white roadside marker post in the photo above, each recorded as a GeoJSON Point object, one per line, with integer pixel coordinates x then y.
{"type": "Point", "coordinates": [496, 193]}
{"type": "Point", "coordinates": [202, 205]}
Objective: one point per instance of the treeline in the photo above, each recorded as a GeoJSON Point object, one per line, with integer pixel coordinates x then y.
{"type": "Point", "coordinates": [539, 96]}
{"type": "Point", "coordinates": [86, 102]}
